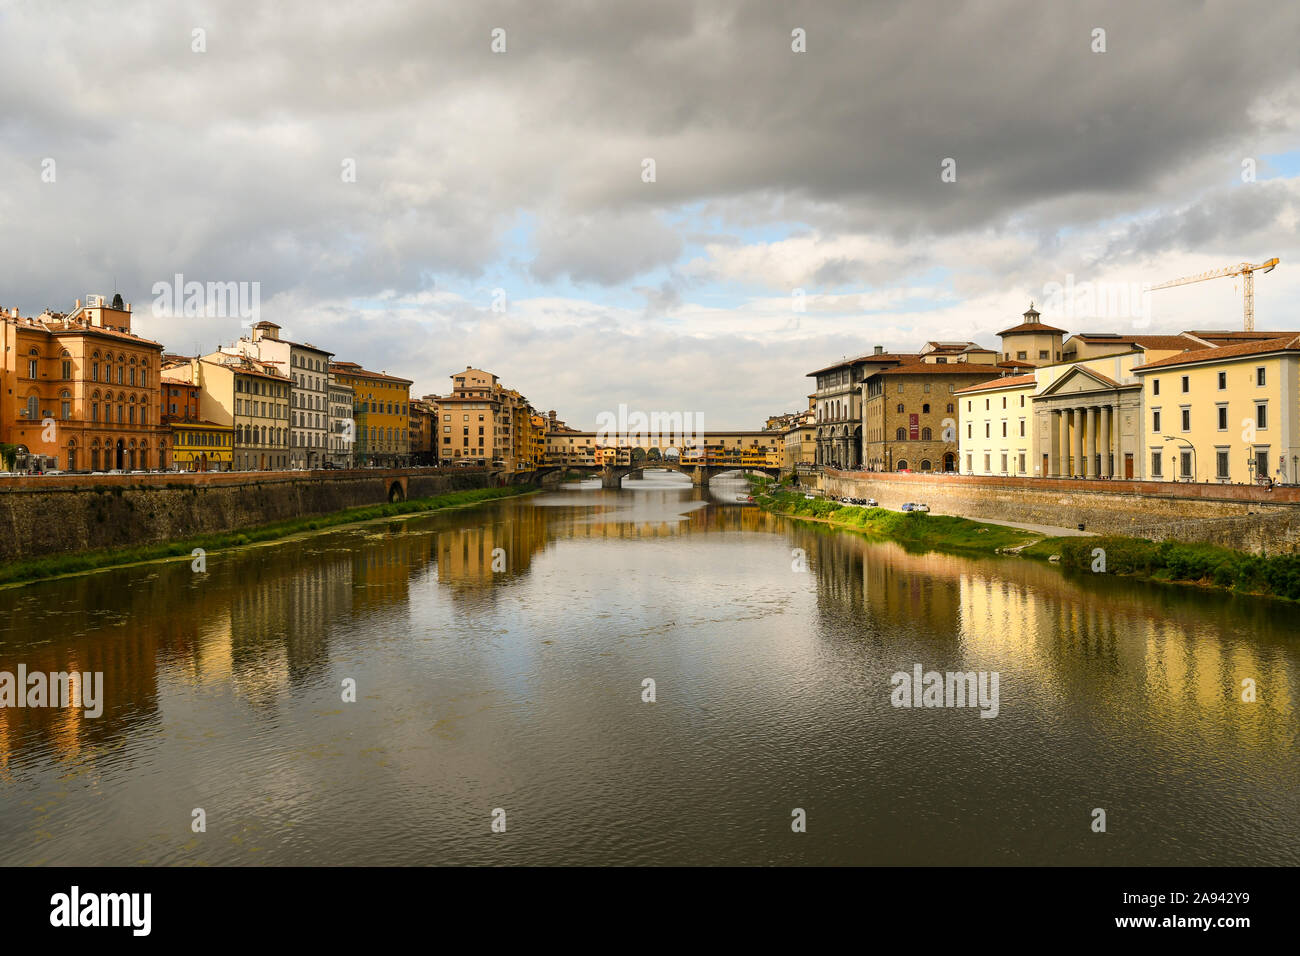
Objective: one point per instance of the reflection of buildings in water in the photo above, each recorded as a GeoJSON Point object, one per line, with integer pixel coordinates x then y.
{"type": "Point", "coordinates": [879, 582]}
{"type": "Point", "coordinates": [466, 556]}
{"type": "Point", "coordinates": [1089, 642]}
{"type": "Point", "coordinates": [75, 635]}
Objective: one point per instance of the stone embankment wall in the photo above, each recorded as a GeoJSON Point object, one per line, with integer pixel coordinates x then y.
{"type": "Point", "coordinates": [67, 513]}
{"type": "Point", "coordinates": [1243, 517]}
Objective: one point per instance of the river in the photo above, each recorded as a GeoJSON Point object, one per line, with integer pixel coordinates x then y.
{"type": "Point", "coordinates": [500, 656]}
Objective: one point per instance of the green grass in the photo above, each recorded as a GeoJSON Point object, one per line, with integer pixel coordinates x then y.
{"type": "Point", "coordinates": [915, 530]}
{"type": "Point", "coordinates": [1205, 564]}
{"type": "Point", "coordinates": [33, 569]}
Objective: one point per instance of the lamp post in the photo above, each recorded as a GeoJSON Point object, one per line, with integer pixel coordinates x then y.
{"type": "Point", "coordinates": [1189, 445]}
{"type": "Point", "coordinates": [1250, 466]}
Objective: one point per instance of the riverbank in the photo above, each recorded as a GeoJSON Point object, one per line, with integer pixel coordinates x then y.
{"type": "Point", "coordinates": [1167, 562]}
{"type": "Point", "coordinates": [912, 529]}
{"type": "Point", "coordinates": [35, 569]}
{"type": "Point", "coordinates": [1176, 562]}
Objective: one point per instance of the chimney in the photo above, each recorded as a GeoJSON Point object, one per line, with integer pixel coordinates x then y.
{"type": "Point", "coordinates": [78, 303]}
{"type": "Point", "coordinates": [880, 350]}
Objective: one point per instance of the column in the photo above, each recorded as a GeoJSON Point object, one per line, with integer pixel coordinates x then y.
{"type": "Point", "coordinates": [1092, 470]}
{"type": "Point", "coordinates": [1106, 424]}
{"type": "Point", "coordinates": [1116, 440]}
{"type": "Point", "coordinates": [1053, 444]}
{"type": "Point", "coordinates": [1063, 469]}
{"type": "Point", "coordinates": [1078, 441]}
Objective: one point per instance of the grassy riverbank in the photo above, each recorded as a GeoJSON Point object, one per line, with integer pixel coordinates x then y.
{"type": "Point", "coordinates": [913, 530]}
{"type": "Point", "coordinates": [1206, 565]}
{"type": "Point", "coordinates": [35, 569]}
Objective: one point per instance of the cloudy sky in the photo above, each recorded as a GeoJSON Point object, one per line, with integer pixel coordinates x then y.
{"type": "Point", "coordinates": [500, 213]}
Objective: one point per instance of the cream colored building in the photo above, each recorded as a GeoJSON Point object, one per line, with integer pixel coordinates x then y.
{"type": "Point", "coordinates": [1229, 414]}
{"type": "Point", "coordinates": [997, 427]}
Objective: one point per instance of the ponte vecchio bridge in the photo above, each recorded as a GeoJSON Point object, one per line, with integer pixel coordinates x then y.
{"type": "Point", "coordinates": [702, 456]}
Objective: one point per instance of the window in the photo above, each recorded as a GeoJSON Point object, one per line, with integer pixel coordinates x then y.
{"type": "Point", "coordinates": [1043, 355]}
{"type": "Point", "coordinates": [1004, 434]}
{"type": "Point", "coordinates": [926, 434]}
{"type": "Point", "coordinates": [968, 406]}
{"type": "Point", "coordinates": [987, 462]}
{"type": "Point", "coordinates": [1221, 465]}
{"type": "Point", "coordinates": [1223, 380]}
{"type": "Point", "coordinates": [1155, 386]}
{"type": "Point", "coordinates": [900, 434]}
{"type": "Point", "coordinates": [1155, 464]}
{"type": "Point", "coordinates": [950, 408]}
{"type": "Point", "coordinates": [925, 409]}
{"type": "Point", "coordinates": [1261, 415]}
{"type": "Point", "coordinates": [1022, 356]}
{"type": "Point", "coordinates": [1155, 420]}
{"type": "Point", "coordinates": [1004, 463]}
{"type": "Point", "coordinates": [1186, 418]}
{"type": "Point", "coordinates": [969, 426]}
{"type": "Point", "coordinates": [1185, 464]}
{"type": "Point", "coordinates": [1259, 376]}
{"type": "Point", "coordinates": [1187, 383]}
{"type": "Point", "coordinates": [1223, 417]}
{"type": "Point", "coordinates": [1022, 454]}
{"type": "Point", "coordinates": [900, 408]}
{"type": "Point", "coordinates": [986, 431]}
{"type": "Point", "coordinates": [1022, 435]}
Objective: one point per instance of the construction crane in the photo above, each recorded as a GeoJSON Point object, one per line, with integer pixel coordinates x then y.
{"type": "Point", "coordinates": [1244, 269]}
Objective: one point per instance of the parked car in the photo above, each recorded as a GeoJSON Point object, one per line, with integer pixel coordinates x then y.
{"type": "Point", "coordinates": [909, 505]}
{"type": "Point", "coordinates": [922, 506]}
{"type": "Point", "coordinates": [809, 497]}
{"type": "Point", "coordinates": [873, 503]}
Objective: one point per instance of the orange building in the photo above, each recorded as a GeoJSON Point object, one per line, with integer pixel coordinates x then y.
{"type": "Point", "coordinates": [82, 389]}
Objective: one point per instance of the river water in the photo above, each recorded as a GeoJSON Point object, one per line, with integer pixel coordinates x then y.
{"type": "Point", "coordinates": [499, 656]}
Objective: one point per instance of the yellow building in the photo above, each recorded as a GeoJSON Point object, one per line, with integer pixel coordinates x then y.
{"type": "Point", "coordinates": [997, 427]}
{"type": "Point", "coordinates": [247, 396]}
{"type": "Point", "coordinates": [202, 446]}
{"type": "Point", "coordinates": [1228, 415]}
{"type": "Point", "coordinates": [381, 414]}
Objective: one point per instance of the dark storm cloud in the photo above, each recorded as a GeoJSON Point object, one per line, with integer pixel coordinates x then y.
{"type": "Point", "coordinates": [228, 162]}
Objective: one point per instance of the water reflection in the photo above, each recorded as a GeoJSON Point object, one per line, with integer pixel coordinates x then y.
{"type": "Point", "coordinates": [499, 655]}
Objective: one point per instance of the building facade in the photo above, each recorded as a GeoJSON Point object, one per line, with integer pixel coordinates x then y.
{"type": "Point", "coordinates": [308, 369]}
{"type": "Point", "coordinates": [80, 388]}
{"type": "Point", "coordinates": [910, 416]}
{"type": "Point", "coordinates": [381, 415]}
{"type": "Point", "coordinates": [1229, 415]}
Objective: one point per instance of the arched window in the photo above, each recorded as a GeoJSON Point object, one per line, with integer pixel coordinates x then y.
{"type": "Point", "coordinates": [900, 408]}
{"type": "Point", "coordinates": [33, 407]}
{"type": "Point", "coordinates": [901, 434]}
{"type": "Point", "coordinates": [65, 404]}
{"type": "Point", "coordinates": [925, 464]}
{"type": "Point", "coordinates": [902, 465]}
{"type": "Point", "coordinates": [925, 436]}
{"type": "Point", "coordinates": [950, 408]}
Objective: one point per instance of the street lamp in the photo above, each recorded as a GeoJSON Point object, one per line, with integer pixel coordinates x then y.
{"type": "Point", "coordinates": [1189, 445]}
{"type": "Point", "coordinates": [1250, 466]}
